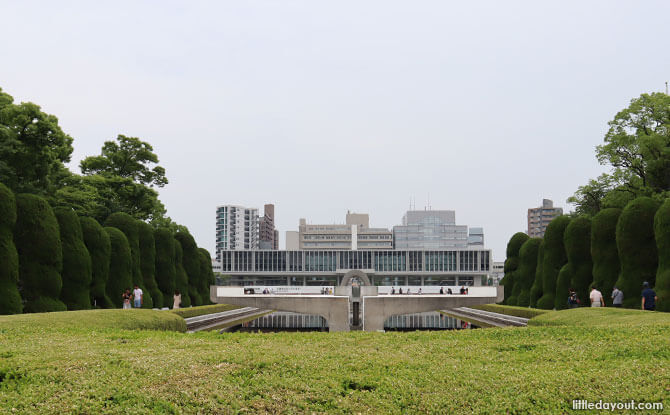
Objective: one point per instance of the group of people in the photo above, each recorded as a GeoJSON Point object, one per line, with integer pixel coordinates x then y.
{"type": "Point", "coordinates": [136, 296]}
{"type": "Point", "coordinates": [326, 291]}
{"type": "Point", "coordinates": [463, 291]}
{"type": "Point", "coordinates": [649, 298]}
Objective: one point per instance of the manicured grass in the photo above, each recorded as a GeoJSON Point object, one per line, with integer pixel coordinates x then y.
{"type": "Point", "coordinates": [62, 368]}
{"type": "Point", "coordinates": [202, 310]}
{"type": "Point", "coordinates": [602, 317]}
{"type": "Point", "coordinates": [510, 310]}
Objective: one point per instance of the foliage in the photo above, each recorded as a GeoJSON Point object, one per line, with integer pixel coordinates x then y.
{"type": "Point", "coordinates": [637, 248]}
{"type": "Point", "coordinates": [148, 263]}
{"type": "Point", "coordinates": [191, 263]}
{"type": "Point", "coordinates": [181, 278]}
{"type": "Point", "coordinates": [33, 148]}
{"type": "Point", "coordinates": [77, 269]}
{"type": "Point", "coordinates": [525, 274]}
{"type": "Point", "coordinates": [38, 244]}
{"type": "Point", "coordinates": [536, 288]}
{"type": "Point", "coordinates": [207, 275]}
{"type": "Point", "coordinates": [130, 227]}
{"type": "Point", "coordinates": [604, 252]}
{"type": "Point", "coordinates": [553, 261]}
{"type": "Point", "coordinates": [662, 234]}
{"type": "Point", "coordinates": [165, 264]}
{"type": "Point", "coordinates": [120, 266]}
{"type": "Point", "coordinates": [99, 248]}
{"type": "Point", "coordinates": [511, 265]}
{"type": "Point", "coordinates": [579, 268]}
{"type": "Point", "coordinates": [10, 299]}
{"type": "Point", "coordinates": [203, 310]}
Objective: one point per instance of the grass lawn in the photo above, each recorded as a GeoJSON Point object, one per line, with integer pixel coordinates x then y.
{"type": "Point", "coordinates": [54, 367]}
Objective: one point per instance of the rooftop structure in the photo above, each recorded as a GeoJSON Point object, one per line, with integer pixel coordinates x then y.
{"type": "Point", "coordinates": [354, 234]}
{"type": "Point", "coordinates": [434, 229]}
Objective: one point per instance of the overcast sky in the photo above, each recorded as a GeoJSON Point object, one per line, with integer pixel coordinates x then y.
{"type": "Point", "coordinates": [320, 107]}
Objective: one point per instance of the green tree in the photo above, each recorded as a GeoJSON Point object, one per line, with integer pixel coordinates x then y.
{"type": "Point", "coordinates": [554, 259]}
{"type": "Point", "coordinates": [130, 227]}
{"type": "Point", "coordinates": [511, 265]}
{"type": "Point", "coordinates": [536, 289]}
{"type": "Point", "coordinates": [191, 263]}
{"type": "Point", "coordinates": [10, 298]}
{"type": "Point", "coordinates": [165, 263]}
{"type": "Point", "coordinates": [637, 248]}
{"type": "Point", "coordinates": [99, 248]}
{"type": "Point", "coordinates": [37, 240]}
{"type": "Point", "coordinates": [148, 263]}
{"type": "Point", "coordinates": [120, 266]}
{"type": "Point", "coordinates": [577, 272]}
{"type": "Point", "coordinates": [33, 148]}
{"type": "Point", "coordinates": [525, 274]}
{"type": "Point", "coordinates": [606, 266]}
{"type": "Point", "coordinates": [662, 233]}
{"type": "Point", "coordinates": [207, 274]}
{"type": "Point", "coordinates": [181, 278]}
{"type": "Point", "coordinates": [77, 270]}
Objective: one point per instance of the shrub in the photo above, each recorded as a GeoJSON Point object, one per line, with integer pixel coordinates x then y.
{"type": "Point", "coordinates": [511, 265]}
{"type": "Point", "coordinates": [207, 275]}
{"type": "Point", "coordinates": [120, 266]}
{"type": "Point", "coordinates": [10, 298]}
{"type": "Point", "coordinates": [130, 227]}
{"type": "Point", "coordinates": [76, 272]}
{"type": "Point", "coordinates": [553, 259]}
{"type": "Point", "coordinates": [606, 266]}
{"type": "Point", "coordinates": [165, 264]}
{"type": "Point", "coordinates": [181, 279]}
{"type": "Point", "coordinates": [576, 273]}
{"type": "Point", "coordinates": [99, 248]}
{"type": "Point", "coordinates": [525, 274]}
{"type": "Point", "coordinates": [38, 244]}
{"type": "Point", "coordinates": [148, 262]}
{"type": "Point", "coordinates": [536, 289]}
{"type": "Point", "coordinates": [191, 263]}
{"type": "Point", "coordinates": [662, 233]}
{"type": "Point", "coordinates": [637, 248]}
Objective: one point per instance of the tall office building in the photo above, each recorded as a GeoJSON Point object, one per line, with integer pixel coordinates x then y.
{"type": "Point", "coordinates": [539, 218]}
{"type": "Point", "coordinates": [268, 236]}
{"type": "Point", "coordinates": [355, 234]}
{"type": "Point", "coordinates": [434, 229]}
{"type": "Point", "coordinates": [236, 229]}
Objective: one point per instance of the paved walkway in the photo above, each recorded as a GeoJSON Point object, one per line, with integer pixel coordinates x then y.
{"type": "Point", "coordinates": [210, 321]}
{"type": "Point", "coordinates": [487, 317]}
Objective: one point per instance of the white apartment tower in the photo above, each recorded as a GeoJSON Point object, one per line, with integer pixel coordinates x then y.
{"type": "Point", "coordinates": [236, 229]}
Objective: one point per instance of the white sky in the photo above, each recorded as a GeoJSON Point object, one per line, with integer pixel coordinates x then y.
{"type": "Point", "coordinates": [320, 107]}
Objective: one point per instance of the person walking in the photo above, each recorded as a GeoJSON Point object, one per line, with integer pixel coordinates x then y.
{"type": "Point", "coordinates": [176, 299]}
{"type": "Point", "coordinates": [137, 297]}
{"type": "Point", "coordinates": [596, 298]}
{"type": "Point", "coordinates": [617, 297]}
{"type": "Point", "coordinates": [649, 297]}
{"type": "Point", "coordinates": [126, 299]}
{"type": "Point", "coordinates": [573, 301]}
{"type": "Point", "coordinates": [441, 290]}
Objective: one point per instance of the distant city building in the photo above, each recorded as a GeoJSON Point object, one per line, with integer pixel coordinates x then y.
{"type": "Point", "coordinates": [292, 240]}
{"type": "Point", "coordinates": [268, 236]}
{"type": "Point", "coordinates": [497, 271]}
{"type": "Point", "coordinates": [353, 235]}
{"type": "Point", "coordinates": [434, 229]}
{"type": "Point", "coordinates": [236, 229]}
{"type": "Point", "coordinates": [539, 218]}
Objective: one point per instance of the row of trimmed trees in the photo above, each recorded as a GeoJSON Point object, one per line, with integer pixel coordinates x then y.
{"type": "Point", "coordinates": [53, 260]}
{"type": "Point", "coordinates": [615, 247]}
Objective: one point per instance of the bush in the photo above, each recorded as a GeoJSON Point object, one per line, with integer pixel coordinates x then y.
{"type": "Point", "coordinates": [577, 272]}
{"type": "Point", "coordinates": [553, 261]}
{"type": "Point", "coordinates": [165, 264]}
{"type": "Point", "coordinates": [76, 272]}
{"type": "Point", "coordinates": [181, 279]}
{"type": "Point", "coordinates": [10, 298]}
{"type": "Point", "coordinates": [148, 263]}
{"type": "Point", "coordinates": [207, 275]}
{"type": "Point", "coordinates": [662, 233]}
{"type": "Point", "coordinates": [191, 262]}
{"type": "Point", "coordinates": [120, 266]}
{"type": "Point", "coordinates": [637, 248]}
{"type": "Point", "coordinates": [606, 266]}
{"type": "Point", "coordinates": [38, 244]}
{"type": "Point", "coordinates": [99, 249]}
{"type": "Point", "coordinates": [525, 274]}
{"type": "Point", "coordinates": [536, 289]}
{"type": "Point", "coordinates": [130, 227]}
{"type": "Point", "coordinates": [511, 265]}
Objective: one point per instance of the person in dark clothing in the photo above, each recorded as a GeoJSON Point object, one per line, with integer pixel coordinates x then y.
{"type": "Point", "coordinates": [649, 298]}
{"type": "Point", "coordinates": [449, 291]}
{"type": "Point", "coordinates": [441, 290]}
{"type": "Point", "coordinates": [573, 301]}
{"type": "Point", "coordinates": [400, 290]}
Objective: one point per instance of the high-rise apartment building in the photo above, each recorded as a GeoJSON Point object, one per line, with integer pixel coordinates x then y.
{"type": "Point", "coordinates": [268, 236]}
{"type": "Point", "coordinates": [355, 234]}
{"type": "Point", "coordinates": [539, 218]}
{"type": "Point", "coordinates": [434, 229]}
{"type": "Point", "coordinates": [236, 229]}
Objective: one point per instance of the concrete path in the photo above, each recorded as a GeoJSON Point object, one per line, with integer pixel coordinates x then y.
{"type": "Point", "coordinates": [214, 320]}
{"type": "Point", "coordinates": [487, 317]}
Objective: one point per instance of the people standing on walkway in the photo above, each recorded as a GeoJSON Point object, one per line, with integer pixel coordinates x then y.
{"type": "Point", "coordinates": [400, 290]}
{"type": "Point", "coordinates": [176, 299]}
{"type": "Point", "coordinates": [649, 297]}
{"type": "Point", "coordinates": [441, 290]}
{"type": "Point", "coordinates": [137, 297]}
{"type": "Point", "coordinates": [126, 299]}
{"type": "Point", "coordinates": [419, 290]}
{"type": "Point", "coordinates": [462, 289]}
{"type": "Point", "coordinates": [596, 298]}
{"type": "Point", "coordinates": [449, 291]}
{"type": "Point", "coordinates": [617, 297]}
{"type": "Point", "coordinates": [392, 290]}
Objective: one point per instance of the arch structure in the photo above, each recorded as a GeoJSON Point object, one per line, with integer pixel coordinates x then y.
{"type": "Point", "coordinates": [355, 273]}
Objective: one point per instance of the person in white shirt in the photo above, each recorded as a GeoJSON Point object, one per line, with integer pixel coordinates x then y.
{"type": "Point", "coordinates": [137, 297]}
{"type": "Point", "coordinates": [177, 299]}
{"type": "Point", "coordinates": [596, 298]}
